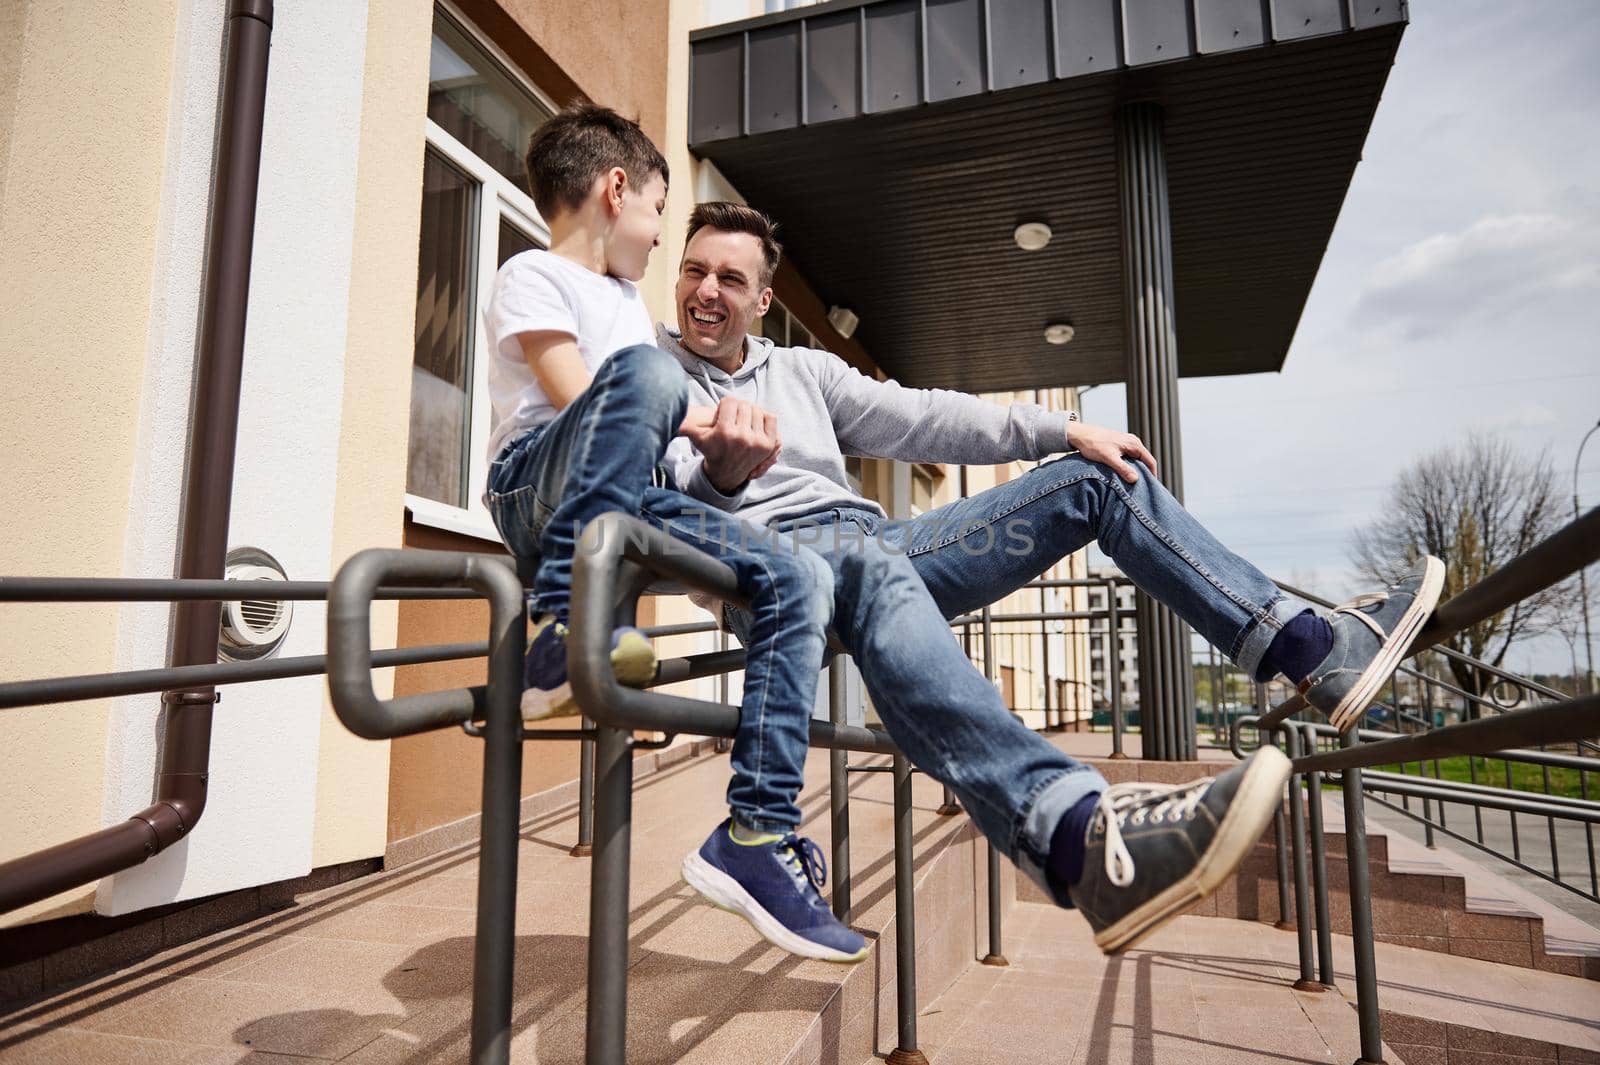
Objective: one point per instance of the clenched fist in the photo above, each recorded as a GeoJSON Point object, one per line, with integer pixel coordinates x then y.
{"type": "Point", "coordinates": [738, 439]}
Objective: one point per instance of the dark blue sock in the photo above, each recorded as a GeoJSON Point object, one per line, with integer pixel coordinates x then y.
{"type": "Point", "coordinates": [1066, 842]}
{"type": "Point", "coordinates": [1298, 647]}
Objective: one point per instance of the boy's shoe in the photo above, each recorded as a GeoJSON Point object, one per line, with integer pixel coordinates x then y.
{"type": "Point", "coordinates": [1371, 634]}
{"type": "Point", "coordinates": [546, 692]}
{"type": "Point", "coordinates": [1154, 850]}
{"type": "Point", "coordinates": [773, 883]}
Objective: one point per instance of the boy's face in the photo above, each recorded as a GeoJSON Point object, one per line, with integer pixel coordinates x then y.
{"type": "Point", "coordinates": [638, 226]}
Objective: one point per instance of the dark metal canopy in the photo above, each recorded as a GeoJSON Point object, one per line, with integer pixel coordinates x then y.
{"type": "Point", "coordinates": [900, 143]}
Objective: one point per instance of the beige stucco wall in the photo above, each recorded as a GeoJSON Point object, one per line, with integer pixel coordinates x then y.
{"type": "Point", "coordinates": [352, 773]}
{"type": "Point", "coordinates": [612, 49]}
{"type": "Point", "coordinates": [84, 91]}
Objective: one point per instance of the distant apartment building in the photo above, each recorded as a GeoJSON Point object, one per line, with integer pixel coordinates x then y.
{"type": "Point", "coordinates": [1099, 640]}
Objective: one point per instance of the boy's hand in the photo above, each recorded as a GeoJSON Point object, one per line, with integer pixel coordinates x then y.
{"type": "Point", "coordinates": [1099, 444]}
{"type": "Point", "coordinates": [740, 442]}
{"type": "Point", "coordinates": [697, 418]}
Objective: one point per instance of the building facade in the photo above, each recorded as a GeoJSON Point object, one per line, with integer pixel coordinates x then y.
{"type": "Point", "coordinates": [390, 191]}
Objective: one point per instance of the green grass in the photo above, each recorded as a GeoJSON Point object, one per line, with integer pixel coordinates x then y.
{"type": "Point", "coordinates": [1492, 772]}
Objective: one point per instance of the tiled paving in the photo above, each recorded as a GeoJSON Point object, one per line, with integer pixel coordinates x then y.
{"type": "Point", "coordinates": [1208, 989]}
{"type": "Point", "coordinates": [378, 971]}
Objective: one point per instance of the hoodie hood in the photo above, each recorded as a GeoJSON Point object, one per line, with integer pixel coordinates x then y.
{"type": "Point", "coordinates": [757, 351]}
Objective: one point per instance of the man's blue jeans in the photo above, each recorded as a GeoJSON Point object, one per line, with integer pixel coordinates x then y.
{"type": "Point", "coordinates": [598, 455]}
{"type": "Point", "coordinates": [895, 584]}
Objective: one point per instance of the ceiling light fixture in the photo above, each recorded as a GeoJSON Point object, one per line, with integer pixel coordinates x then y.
{"type": "Point", "coordinates": [1031, 236]}
{"type": "Point", "coordinates": [1059, 332]}
{"type": "Point", "coordinates": [843, 320]}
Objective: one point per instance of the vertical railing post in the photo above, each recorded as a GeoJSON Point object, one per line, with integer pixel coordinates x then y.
{"type": "Point", "coordinates": [1319, 867]}
{"type": "Point", "coordinates": [1280, 839]}
{"type": "Point", "coordinates": [1366, 963]}
{"type": "Point", "coordinates": [1280, 831]}
{"type": "Point", "coordinates": [1114, 669]}
{"type": "Point", "coordinates": [839, 794]}
{"type": "Point", "coordinates": [905, 921]}
{"type": "Point", "coordinates": [495, 940]}
{"type": "Point", "coordinates": [1044, 659]}
{"type": "Point", "coordinates": [585, 845]}
{"type": "Point", "coordinates": [723, 745]}
{"type": "Point", "coordinates": [606, 1034]}
{"type": "Point", "coordinates": [995, 956]}
{"type": "Point", "coordinates": [1302, 886]}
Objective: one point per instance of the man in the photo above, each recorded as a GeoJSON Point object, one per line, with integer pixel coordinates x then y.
{"type": "Point", "coordinates": [1129, 856]}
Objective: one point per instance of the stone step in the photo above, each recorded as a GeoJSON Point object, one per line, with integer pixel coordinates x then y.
{"type": "Point", "coordinates": [1420, 898]}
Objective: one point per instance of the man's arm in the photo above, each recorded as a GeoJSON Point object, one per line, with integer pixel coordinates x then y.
{"type": "Point", "coordinates": [886, 420]}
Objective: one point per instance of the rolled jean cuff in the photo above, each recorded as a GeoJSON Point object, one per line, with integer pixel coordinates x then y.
{"type": "Point", "coordinates": [767, 825]}
{"type": "Point", "coordinates": [1255, 639]}
{"type": "Point", "coordinates": [1040, 821]}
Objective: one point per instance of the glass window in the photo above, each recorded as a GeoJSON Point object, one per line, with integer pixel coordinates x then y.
{"type": "Point", "coordinates": [476, 214]}
{"type": "Point", "coordinates": [513, 241]}
{"type": "Point", "coordinates": [436, 464]}
{"type": "Point", "coordinates": [784, 329]}
{"type": "Point", "coordinates": [473, 98]}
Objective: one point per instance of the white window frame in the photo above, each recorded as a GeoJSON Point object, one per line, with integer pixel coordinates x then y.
{"type": "Point", "coordinates": [498, 198]}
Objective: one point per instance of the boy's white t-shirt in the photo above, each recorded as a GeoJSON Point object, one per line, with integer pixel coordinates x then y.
{"type": "Point", "coordinates": [536, 291]}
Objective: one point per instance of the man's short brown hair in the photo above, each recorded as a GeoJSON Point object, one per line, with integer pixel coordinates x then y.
{"type": "Point", "coordinates": [579, 144]}
{"type": "Point", "coordinates": [738, 218]}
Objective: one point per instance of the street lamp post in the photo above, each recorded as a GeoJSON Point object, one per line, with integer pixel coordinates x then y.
{"type": "Point", "coordinates": [1583, 585]}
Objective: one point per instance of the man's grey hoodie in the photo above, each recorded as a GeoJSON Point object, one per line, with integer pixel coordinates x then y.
{"type": "Point", "coordinates": [827, 409]}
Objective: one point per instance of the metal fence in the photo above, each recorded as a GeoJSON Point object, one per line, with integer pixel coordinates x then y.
{"type": "Point", "coordinates": [1502, 790]}
{"type": "Point", "coordinates": [621, 560]}
{"type": "Point", "coordinates": [1512, 736]}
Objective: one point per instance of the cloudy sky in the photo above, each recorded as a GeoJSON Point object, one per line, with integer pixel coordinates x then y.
{"type": "Point", "coordinates": [1461, 290]}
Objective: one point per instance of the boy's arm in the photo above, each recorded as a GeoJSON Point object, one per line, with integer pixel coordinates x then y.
{"type": "Point", "coordinates": [556, 363]}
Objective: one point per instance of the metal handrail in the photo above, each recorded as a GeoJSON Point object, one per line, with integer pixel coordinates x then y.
{"type": "Point", "coordinates": [617, 557]}
{"type": "Point", "coordinates": [1448, 652]}
{"type": "Point", "coordinates": [1549, 562]}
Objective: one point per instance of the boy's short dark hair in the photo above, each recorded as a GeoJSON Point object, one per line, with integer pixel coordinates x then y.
{"type": "Point", "coordinates": [739, 218]}
{"type": "Point", "coordinates": [579, 144]}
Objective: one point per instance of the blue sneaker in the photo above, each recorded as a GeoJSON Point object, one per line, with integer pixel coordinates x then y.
{"type": "Point", "coordinates": [546, 692]}
{"type": "Point", "coordinates": [773, 883]}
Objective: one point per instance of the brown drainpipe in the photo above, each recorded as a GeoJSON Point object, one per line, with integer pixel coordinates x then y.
{"type": "Point", "coordinates": [207, 491]}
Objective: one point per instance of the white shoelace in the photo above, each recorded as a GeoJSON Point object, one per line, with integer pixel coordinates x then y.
{"type": "Point", "coordinates": [1353, 608]}
{"type": "Point", "coordinates": [1117, 804]}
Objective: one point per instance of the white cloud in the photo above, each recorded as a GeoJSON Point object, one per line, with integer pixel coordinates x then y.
{"type": "Point", "coordinates": [1527, 415]}
{"type": "Point", "coordinates": [1500, 266]}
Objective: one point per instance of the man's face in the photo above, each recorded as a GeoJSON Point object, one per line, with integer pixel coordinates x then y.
{"type": "Point", "coordinates": [720, 293]}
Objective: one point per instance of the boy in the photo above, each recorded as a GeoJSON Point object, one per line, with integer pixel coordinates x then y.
{"type": "Point", "coordinates": [584, 407]}
{"type": "Point", "coordinates": [554, 319]}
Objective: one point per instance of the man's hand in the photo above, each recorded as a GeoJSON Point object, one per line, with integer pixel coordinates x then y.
{"type": "Point", "coordinates": [739, 441]}
{"type": "Point", "coordinates": [1099, 444]}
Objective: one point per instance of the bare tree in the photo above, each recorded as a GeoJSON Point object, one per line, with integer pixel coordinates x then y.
{"type": "Point", "coordinates": [1569, 625]}
{"type": "Point", "coordinates": [1477, 505]}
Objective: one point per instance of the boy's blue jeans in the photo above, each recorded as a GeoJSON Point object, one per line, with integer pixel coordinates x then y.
{"type": "Point", "coordinates": [598, 455]}
{"type": "Point", "coordinates": [895, 584]}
